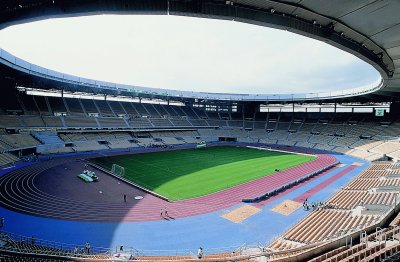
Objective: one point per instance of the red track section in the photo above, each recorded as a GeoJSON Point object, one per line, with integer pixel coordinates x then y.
{"type": "Point", "coordinates": [32, 191]}
{"type": "Point", "coordinates": [318, 188]}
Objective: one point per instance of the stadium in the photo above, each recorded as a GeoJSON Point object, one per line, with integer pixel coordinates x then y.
{"type": "Point", "coordinates": [99, 171]}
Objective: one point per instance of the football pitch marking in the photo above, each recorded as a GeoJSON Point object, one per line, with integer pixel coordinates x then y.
{"type": "Point", "coordinates": [240, 214]}
{"type": "Point", "coordinates": [186, 174]}
{"type": "Point", "coordinates": [287, 207]}
{"type": "Point", "coordinates": [279, 150]}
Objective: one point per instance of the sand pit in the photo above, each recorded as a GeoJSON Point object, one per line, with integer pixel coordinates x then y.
{"type": "Point", "coordinates": [287, 207]}
{"type": "Point", "coordinates": [240, 214]}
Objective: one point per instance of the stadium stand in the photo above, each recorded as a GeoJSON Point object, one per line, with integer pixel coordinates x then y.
{"type": "Point", "coordinates": [349, 199]}
{"type": "Point", "coordinates": [52, 122]}
{"type": "Point", "coordinates": [32, 121]}
{"type": "Point", "coordinates": [161, 122]}
{"type": "Point", "coordinates": [140, 123]}
{"type": "Point", "coordinates": [104, 108]}
{"type": "Point", "coordinates": [79, 122]}
{"type": "Point", "coordinates": [84, 146]}
{"type": "Point", "coordinates": [352, 208]}
{"type": "Point", "coordinates": [121, 144]}
{"type": "Point", "coordinates": [141, 109]}
{"type": "Point", "coordinates": [111, 122]}
{"type": "Point", "coordinates": [7, 121]}
{"type": "Point", "coordinates": [89, 106]}
{"type": "Point", "coordinates": [180, 122]}
{"type": "Point", "coordinates": [311, 229]}
{"type": "Point", "coordinates": [19, 140]}
{"type": "Point", "coordinates": [308, 133]}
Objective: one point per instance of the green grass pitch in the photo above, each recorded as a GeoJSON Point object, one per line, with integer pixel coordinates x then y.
{"type": "Point", "coordinates": [189, 173]}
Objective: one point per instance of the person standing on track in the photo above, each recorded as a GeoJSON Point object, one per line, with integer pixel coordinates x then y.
{"type": "Point", "coordinates": [124, 198]}
{"type": "Point", "coordinates": [87, 248]}
{"type": "Point", "coordinates": [200, 253]}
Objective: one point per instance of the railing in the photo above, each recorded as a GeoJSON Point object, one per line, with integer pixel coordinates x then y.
{"type": "Point", "coordinates": [36, 246]}
{"type": "Point", "coordinates": [32, 245]}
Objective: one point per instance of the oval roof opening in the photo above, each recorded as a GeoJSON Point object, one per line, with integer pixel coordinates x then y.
{"type": "Point", "coordinates": [189, 54]}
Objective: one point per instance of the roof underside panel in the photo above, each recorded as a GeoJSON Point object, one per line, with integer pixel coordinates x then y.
{"type": "Point", "coordinates": [394, 52]}
{"type": "Point", "coordinates": [378, 21]}
{"type": "Point", "coordinates": [334, 9]}
{"type": "Point", "coordinates": [370, 17]}
{"type": "Point", "coordinates": [389, 38]}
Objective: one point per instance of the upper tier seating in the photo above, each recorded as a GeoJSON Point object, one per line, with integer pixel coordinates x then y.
{"type": "Point", "coordinates": [180, 122]}
{"type": "Point", "coordinates": [74, 121]}
{"type": "Point", "coordinates": [111, 122]}
{"type": "Point", "coordinates": [74, 106]}
{"type": "Point", "coordinates": [117, 108]}
{"type": "Point", "coordinates": [161, 122]}
{"type": "Point", "coordinates": [140, 123]}
{"type": "Point", "coordinates": [32, 121]}
{"type": "Point", "coordinates": [7, 121]}
{"type": "Point", "coordinates": [104, 108]}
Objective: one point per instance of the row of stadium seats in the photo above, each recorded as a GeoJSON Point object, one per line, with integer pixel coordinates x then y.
{"type": "Point", "coordinates": [6, 159]}
{"type": "Point", "coordinates": [18, 141]}
{"type": "Point", "coordinates": [369, 183]}
{"type": "Point", "coordinates": [344, 134]}
{"type": "Point", "coordinates": [312, 229]}
{"type": "Point", "coordinates": [372, 248]}
{"type": "Point", "coordinates": [349, 199]}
